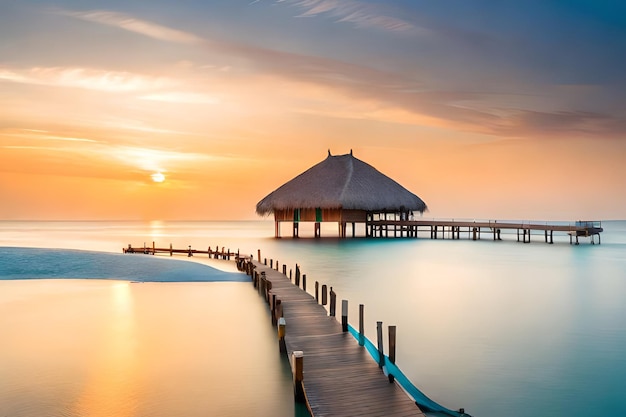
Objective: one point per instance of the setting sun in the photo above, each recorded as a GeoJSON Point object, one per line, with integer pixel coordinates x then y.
{"type": "Point", "coordinates": [158, 177]}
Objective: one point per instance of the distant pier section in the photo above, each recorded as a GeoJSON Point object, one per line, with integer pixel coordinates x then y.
{"type": "Point", "coordinates": [476, 229]}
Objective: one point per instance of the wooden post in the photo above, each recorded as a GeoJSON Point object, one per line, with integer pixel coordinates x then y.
{"type": "Point", "coordinates": [171, 250]}
{"type": "Point", "coordinates": [279, 309]}
{"type": "Point", "coordinates": [361, 325]}
{"type": "Point", "coordinates": [262, 283]}
{"type": "Point", "coordinates": [317, 292]}
{"type": "Point", "coordinates": [274, 319]}
{"type": "Point", "coordinates": [268, 289]}
{"type": "Point", "coordinates": [271, 264]}
{"type": "Point", "coordinates": [333, 302]}
{"type": "Point", "coordinates": [379, 336]}
{"type": "Point", "coordinates": [304, 282]}
{"type": "Point", "coordinates": [392, 349]}
{"type": "Point", "coordinates": [324, 295]}
{"type": "Point", "coordinates": [259, 256]}
{"type": "Point", "coordinates": [153, 248]}
{"type": "Point", "coordinates": [297, 276]}
{"type": "Point", "coordinates": [298, 375]}
{"type": "Point", "coordinates": [282, 328]}
{"type": "Point", "coordinates": [285, 269]}
{"type": "Point", "coordinates": [290, 274]}
{"type": "Point", "coordinates": [265, 261]}
{"type": "Point", "coordinates": [474, 230]}
{"type": "Point", "coordinates": [344, 315]}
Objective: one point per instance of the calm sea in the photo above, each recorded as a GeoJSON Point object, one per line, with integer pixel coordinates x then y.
{"type": "Point", "coordinates": [499, 328]}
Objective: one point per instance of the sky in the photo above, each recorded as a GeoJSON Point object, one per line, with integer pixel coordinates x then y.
{"type": "Point", "coordinates": [196, 110]}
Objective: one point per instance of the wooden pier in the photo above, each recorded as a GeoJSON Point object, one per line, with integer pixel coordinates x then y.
{"type": "Point", "coordinates": [455, 229]}
{"type": "Point", "coordinates": [394, 226]}
{"type": "Point", "coordinates": [333, 373]}
{"type": "Point", "coordinates": [153, 250]}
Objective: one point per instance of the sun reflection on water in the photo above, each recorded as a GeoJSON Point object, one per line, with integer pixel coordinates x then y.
{"type": "Point", "coordinates": [111, 387]}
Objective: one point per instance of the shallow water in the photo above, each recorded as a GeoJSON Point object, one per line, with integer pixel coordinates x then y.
{"type": "Point", "coordinates": [115, 348]}
{"type": "Point", "coordinates": [499, 328]}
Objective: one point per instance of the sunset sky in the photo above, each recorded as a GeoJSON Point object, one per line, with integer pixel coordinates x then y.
{"type": "Point", "coordinates": [164, 110]}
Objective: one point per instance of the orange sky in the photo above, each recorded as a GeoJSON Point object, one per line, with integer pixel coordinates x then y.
{"type": "Point", "coordinates": [94, 102]}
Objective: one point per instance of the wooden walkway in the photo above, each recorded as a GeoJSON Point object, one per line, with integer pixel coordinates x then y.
{"type": "Point", "coordinates": [474, 229]}
{"type": "Point", "coordinates": [339, 378]}
{"type": "Point", "coordinates": [153, 250]}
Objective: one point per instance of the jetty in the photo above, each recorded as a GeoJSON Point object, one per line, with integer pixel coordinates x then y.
{"type": "Point", "coordinates": [334, 374]}
{"type": "Point", "coordinates": [153, 250]}
{"type": "Point", "coordinates": [397, 226]}
{"type": "Point", "coordinates": [336, 370]}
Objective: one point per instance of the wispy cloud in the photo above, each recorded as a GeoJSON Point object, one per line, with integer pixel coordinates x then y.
{"type": "Point", "coordinates": [39, 134]}
{"type": "Point", "coordinates": [352, 11]}
{"type": "Point", "coordinates": [87, 78]}
{"type": "Point", "coordinates": [132, 24]}
{"type": "Point", "coordinates": [181, 97]}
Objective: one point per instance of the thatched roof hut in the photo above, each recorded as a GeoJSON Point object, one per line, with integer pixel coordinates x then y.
{"type": "Point", "coordinates": [341, 188]}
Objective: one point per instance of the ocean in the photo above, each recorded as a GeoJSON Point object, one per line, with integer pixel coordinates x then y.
{"type": "Point", "coordinates": [499, 328]}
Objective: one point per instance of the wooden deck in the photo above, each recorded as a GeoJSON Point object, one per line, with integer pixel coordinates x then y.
{"type": "Point", "coordinates": [340, 378]}
{"type": "Point", "coordinates": [474, 229]}
{"type": "Point", "coordinates": [153, 250]}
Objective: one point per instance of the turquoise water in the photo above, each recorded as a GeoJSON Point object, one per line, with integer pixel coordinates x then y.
{"type": "Point", "coordinates": [499, 328]}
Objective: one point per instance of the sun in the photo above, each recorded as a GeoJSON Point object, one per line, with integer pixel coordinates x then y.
{"type": "Point", "coordinates": [158, 177]}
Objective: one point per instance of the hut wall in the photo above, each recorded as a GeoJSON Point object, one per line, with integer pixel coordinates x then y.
{"type": "Point", "coordinates": [316, 215]}
{"type": "Point", "coordinates": [307, 215]}
{"type": "Point", "coordinates": [331, 215]}
{"type": "Point", "coordinates": [283, 215]}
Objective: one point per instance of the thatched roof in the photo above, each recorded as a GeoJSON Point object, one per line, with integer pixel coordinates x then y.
{"type": "Point", "coordinates": [341, 181]}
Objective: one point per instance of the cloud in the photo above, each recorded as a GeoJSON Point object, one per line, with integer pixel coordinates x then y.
{"type": "Point", "coordinates": [181, 97]}
{"type": "Point", "coordinates": [559, 123]}
{"type": "Point", "coordinates": [352, 11]}
{"type": "Point", "coordinates": [131, 24]}
{"type": "Point", "coordinates": [87, 78]}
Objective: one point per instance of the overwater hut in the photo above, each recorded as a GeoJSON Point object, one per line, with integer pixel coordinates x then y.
{"type": "Point", "coordinates": [340, 189]}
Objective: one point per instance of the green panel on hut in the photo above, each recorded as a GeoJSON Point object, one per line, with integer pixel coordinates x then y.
{"type": "Point", "coordinates": [342, 189]}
